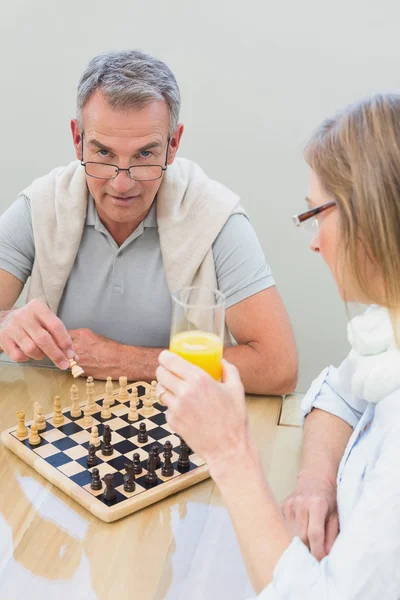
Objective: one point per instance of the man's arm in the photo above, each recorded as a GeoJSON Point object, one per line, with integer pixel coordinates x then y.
{"type": "Point", "coordinates": [265, 357]}
{"type": "Point", "coordinates": [32, 331]}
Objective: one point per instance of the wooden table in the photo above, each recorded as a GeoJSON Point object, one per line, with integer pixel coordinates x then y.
{"type": "Point", "coordinates": [182, 548]}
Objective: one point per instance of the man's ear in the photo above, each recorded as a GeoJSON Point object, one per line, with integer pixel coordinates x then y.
{"type": "Point", "coordinates": [76, 138]}
{"type": "Point", "coordinates": [174, 142]}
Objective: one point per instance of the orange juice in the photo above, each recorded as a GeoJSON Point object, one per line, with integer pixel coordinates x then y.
{"type": "Point", "coordinates": [199, 348]}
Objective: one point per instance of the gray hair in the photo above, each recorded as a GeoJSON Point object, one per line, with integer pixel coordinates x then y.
{"type": "Point", "coordinates": [130, 79]}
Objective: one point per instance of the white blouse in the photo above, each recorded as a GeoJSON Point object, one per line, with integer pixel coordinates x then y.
{"type": "Point", "coordinates": [364, 563]}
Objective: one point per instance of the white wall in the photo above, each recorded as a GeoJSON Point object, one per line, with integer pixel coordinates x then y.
{"type": "Point", "coordinates": [256, 77]}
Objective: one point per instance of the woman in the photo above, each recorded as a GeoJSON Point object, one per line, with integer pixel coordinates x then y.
{"type": "Point", "coordinates": [354, 209]}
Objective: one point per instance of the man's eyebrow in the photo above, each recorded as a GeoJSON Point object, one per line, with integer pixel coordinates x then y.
{"type": "Point", "coordinates": [149, 146]}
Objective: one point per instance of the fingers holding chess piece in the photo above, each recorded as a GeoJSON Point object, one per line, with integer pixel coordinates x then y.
{"type": "Point", "coordinates": [76, 370]}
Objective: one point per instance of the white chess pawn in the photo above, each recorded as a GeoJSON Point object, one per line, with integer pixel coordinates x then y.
{"type": "Point", "coordinates": [123, 392]}
{"type": "Point", "coordinates": [40, 419]}
{"type": "Point", "coordinates": [76, 370]}
{"type": "Point", "coordinates": [147, 404]}
{"type": "Point", "coordinates": [133, 414]}
{"type": "Point", "coordinates": [87, 419]}
{"type": "Point", "coordinates": [34, 438]}
{"type": "Point", "coordinates": [94, 437]}
{"type": "Point", "coordinates": [135, 395]}
{"type": "Point", "coordinates": [106, 410]}
{"type": "Point", "coordinates": [153, 394]}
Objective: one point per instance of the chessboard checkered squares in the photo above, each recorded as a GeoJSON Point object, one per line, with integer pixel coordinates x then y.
{"type": "Point", "coordinates": [46, 450]}
{"type": "Point", "coordinates": [76, 452]}
{"type": "Point", "coordinates": [53, 435]}
{"type": "Point", "coordinates": [71, 468]}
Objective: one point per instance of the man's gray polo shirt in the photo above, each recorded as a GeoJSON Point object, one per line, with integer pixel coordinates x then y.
{"type": "Point", "coordinates": [121, 292]}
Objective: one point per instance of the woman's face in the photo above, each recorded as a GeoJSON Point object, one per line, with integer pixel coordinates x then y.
{"type": "Point", "coordinates": [327, 242]}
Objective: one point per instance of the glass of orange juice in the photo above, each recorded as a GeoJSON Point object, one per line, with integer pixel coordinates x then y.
{"type": "Point", "coordinates": [197, 329]}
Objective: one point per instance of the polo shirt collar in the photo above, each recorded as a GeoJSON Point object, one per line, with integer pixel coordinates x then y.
{"type": "Point", "coordinates": [93, 219]}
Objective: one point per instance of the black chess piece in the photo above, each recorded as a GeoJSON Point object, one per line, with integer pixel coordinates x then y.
{"type": "Point", "coordinates": [106, 447]}
{"type": "Point", "coordinates": [129, 477]}
{"type": "Point", "coordinates": [92, 459]}
{"type": "Point", "coordinates": [137, 466]}
{"type": "Point", "coordinates": [190, 451]}
{"type": "Point", "coordinates": [168, 469]}
{"type": "Point", "coordinates": [142, 435]}
{"type": "Point", "coordinates": [96, 481]}
{"type": "Point", "coordinates": [155, 450]}
{"type": "Point", "coordinates": [110, 492]}
{"type": "Point", "coordinates": [151, 477]}
{"type": "Point", "coordinates": [183, 460]}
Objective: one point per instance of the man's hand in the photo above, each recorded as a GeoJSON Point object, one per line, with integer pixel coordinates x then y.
{"type": "Point", "coordinates": [311, 513]}
{"type": "Point", "coordinates": [98, 355]}
{"type": "Point", "coordinates": [33, 331]}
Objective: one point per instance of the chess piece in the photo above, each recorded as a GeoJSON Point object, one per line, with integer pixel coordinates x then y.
{"type": "Point", "coordinates": [106, 410]}
{"type": "Point", "coordinates": [135, 395]}
{"type": "Point", "coordinates": [137, 466]}
{"type": "Point", "coordinates": [87, 419]}
{"type": "Point", "coordinates": [167, 469]}
{"type": "Point", "coordinates": [76, 410]}
{"type": "Point", "coordinates": [76, 370]}
{"type": "Point", "coordinates": [90, 400]}
{"type": "Point", "coordinates": [147, 409]}
{"type": "Point", "coordinates": [58, 417]}
{"type": "Point", "coordinates": [153, 394]}
{"type": "Point", "coordinates": [94, 437]}
{"type": "Point", "coordinates": [129, 477]}
{"type": "Point", "coordinates": [106, 448]}
{"type": "Point", "coordinates": [133, 414]}
{"type": "Point", "coordinates": [142, 435]}
{"type": "Point", "coordinates": [155, 451]}
{"type": "Point", "coordinates": [110, 391]}
{"type": "Point", "coordinates": [96, 484]}
{"type": "Point", "coordinates": [110, 492]}
{"type": "Point", "coordinates": [22, 431]}
{"type": "Point", "coordinates": [123, 395]}
{"type": "Point", "coordinates": [92, 459]}
{"type": "Point", "coordinates": [34, 438]}
{"type": "Point", "coordinates": [39, 419]}
{"type": "Point", "coordinates": [183, 460]}
{"type": "Point", "coordinates": [151, 476]}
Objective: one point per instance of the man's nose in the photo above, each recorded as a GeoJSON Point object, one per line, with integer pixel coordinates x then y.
{"type": "Point", "coordinates": [122, 182]}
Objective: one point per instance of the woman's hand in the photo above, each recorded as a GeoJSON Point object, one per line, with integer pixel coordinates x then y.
{"type": "Point", "coordinates": [210, 416]}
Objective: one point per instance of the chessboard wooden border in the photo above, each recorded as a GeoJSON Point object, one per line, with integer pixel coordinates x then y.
{"type": "Point", "coordinates": [106, 513]}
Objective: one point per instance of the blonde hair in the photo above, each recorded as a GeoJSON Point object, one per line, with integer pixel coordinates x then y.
{"type": "Point", "coordinates": [356, 155]}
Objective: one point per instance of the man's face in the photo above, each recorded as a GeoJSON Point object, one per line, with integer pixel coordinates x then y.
{"type": "Point", "coordinates": [124, 138]}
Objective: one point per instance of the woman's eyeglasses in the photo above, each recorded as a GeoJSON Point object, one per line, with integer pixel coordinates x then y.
{"type": "Point", "coordinates": [308, 220]}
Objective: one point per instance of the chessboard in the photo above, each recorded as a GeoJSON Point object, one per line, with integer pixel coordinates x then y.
{"type": "Point", "coordinates": [62, 453]}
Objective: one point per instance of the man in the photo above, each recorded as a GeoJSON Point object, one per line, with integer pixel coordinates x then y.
{"type": "Point", "coordinates": [108, 238]}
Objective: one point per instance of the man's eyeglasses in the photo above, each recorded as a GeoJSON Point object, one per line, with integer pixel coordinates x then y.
{"type": "Point", "coordinates": [308, 220]}
{"type": "Point", "coordinates": [135, 172]}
